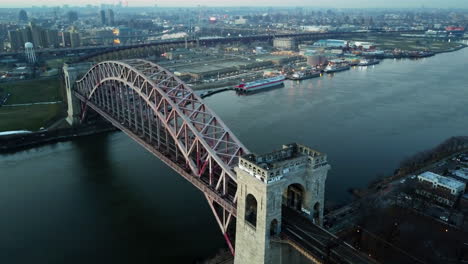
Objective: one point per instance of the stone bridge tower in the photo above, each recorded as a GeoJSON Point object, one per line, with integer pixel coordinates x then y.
{"type": "Point", "coordinates": [293, 177]}
{"type": "Point", "coordinates": [71, 73]}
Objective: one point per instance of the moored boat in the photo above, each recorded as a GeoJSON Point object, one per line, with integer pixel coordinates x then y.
{"type": "Point", "coordinates": [368, 62]}
{"type": "Point", "coordinates": [302, 75]}
{"type": "Point", "coordinates": [260, 84]}
{"type": "Point", "coordinates": [337, 68]}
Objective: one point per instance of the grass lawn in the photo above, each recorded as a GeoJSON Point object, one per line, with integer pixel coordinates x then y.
{"type": "Point", "coordinates": [32, 91]}
{"type": "Point", "coordinates": [55, 63]}
{"type": "Point", "coordinates": [30, 117]}
{"type": "Point", "coordinates": [410, 44]}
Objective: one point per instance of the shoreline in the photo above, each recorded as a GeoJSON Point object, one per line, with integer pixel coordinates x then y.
{"type": "Point", "coordinates": [10, 144]}
{"type": "Point", "coordinates": [451, 50]}
{"type": "Point", "coordinates": [378, 185]}
{"type": "Point", "coordinates": [379, 188]}
{"type": "Point", "coordinates": [223, 85]}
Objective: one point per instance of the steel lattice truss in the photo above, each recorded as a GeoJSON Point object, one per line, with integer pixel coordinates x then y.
{"type": "Point", "coordinates": [163, 114]}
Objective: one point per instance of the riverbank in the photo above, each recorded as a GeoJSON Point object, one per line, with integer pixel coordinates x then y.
{"type": "Point", "coordinates": [408, 43]}
{"type": "Point", "coordinates": [228, 85]}
{"type": "Point", "coordinates": [17, 142]}
{"type": "Point", "coordinates": [451, 49]}
{"type": "Point", "coordinates": [409, 54]}
{"type": "Point", "coordinates": [417, 164]}
{"type": "Point", "coordinates": [377, 194]}
{"type": "Point", "coordinates": [400, 213]}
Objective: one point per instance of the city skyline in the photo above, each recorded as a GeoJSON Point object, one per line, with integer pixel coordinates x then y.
{"type": "Point", "coordinates": [273, 3]}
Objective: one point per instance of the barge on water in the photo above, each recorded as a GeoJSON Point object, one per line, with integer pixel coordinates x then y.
{"type": "Point", "coordinates": [302, 75]}
{"type": "Point", "coordinates": [260, 84]}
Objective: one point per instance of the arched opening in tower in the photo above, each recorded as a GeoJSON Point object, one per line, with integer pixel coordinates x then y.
{"type": "Point", "coordinates": [316, 215]}
{"type": "Point", "coordinates": [251, 210]}
{"type": "Point", "coordinates": [274, 228]}
{"type": "Point", "coordinates": [293, 196]}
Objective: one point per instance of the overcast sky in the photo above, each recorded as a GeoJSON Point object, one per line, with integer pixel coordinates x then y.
{"type": "Point", "coordinates": [312, 3]}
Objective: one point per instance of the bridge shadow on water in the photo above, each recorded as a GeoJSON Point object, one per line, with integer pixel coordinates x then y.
{"type": "Point", "coordinates": [138, 232]}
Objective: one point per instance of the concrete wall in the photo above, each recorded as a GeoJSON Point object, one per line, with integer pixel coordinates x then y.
{"type": "Point", "coordinates": [72, 72]}
{"type": "Point", "coordinates": [253, 244]}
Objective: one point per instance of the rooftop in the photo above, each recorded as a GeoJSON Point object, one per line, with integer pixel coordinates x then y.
{"type": "Point", "coordinates": [288, 152]}
{"type": "Point", "coordinates": [462, 173]}
{"type": "Point", "coordinates": [441, 180]}
{"type": "Point", "coordinates": [332, 41]}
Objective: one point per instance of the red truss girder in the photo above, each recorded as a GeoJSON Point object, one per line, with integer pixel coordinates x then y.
{"type": "Point", "coordinates": [162, 113]}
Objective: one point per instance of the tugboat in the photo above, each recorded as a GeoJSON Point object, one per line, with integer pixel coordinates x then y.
{"type": "Point", "coordinates": [260, 84]}
{"type": "Point", "coordinates": [369, 62]}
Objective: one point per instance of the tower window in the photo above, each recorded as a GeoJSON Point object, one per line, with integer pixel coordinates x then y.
{"type": "Point", "coordinates": [251, 210]}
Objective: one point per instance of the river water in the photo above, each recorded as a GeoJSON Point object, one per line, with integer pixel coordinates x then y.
{"type": "Point", "coordinates": [104, 199]}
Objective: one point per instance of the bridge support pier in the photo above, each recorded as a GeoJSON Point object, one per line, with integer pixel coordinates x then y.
{"type": "Point", "coordinates": [72, 72]}
{"type": "Point", "coordinates": [292, 178]}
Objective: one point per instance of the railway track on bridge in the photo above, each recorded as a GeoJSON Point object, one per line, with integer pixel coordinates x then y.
{"type": "Point", "coordinates": [326, 247]}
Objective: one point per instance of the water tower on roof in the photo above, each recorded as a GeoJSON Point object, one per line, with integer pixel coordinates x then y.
{"type": "Point", "coordinates": [30, 54]}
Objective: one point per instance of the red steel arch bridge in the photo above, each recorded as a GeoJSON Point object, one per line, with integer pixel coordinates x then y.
{"type": "Point", "coordinates": [163, 114]}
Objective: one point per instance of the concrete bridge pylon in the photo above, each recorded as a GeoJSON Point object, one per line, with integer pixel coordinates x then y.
{"type": "Point", "coordinates": [71, 74]}
{"type": "Point", "coordinates": [294, 177]}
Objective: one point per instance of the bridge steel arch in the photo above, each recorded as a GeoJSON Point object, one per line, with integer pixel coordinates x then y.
{"type": "Point", "coordinates": [164, 115]}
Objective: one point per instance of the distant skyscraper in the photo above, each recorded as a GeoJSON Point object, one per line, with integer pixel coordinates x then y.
{"type": "Point", "coordinates": [23, 16]}
{"type": "Point", "coordinates": [110, 17]}
{"type": "Point", "coordinates": [30, 54]}
{"type": "Point", "coordinates": [65, 39]}
{"type": "Point", "coordinates": [16, 40]}
{"type": "Point", "coordinates": [103, 17]}
{"type": "Point", "coordinates": [38, 36]}
{"type": "Point", "coordinates": [52, 38]}
{"type": "Point", "coordinates": [26, 35]}
{"type": "Point", "coordinates": [44, 39]}
{"type": "Point", "coordinates": [72, 16]}
{"type": "Point", "coordinates": [75, 40]}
